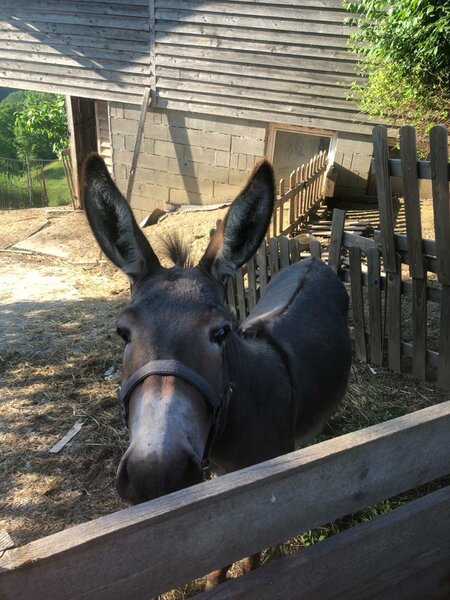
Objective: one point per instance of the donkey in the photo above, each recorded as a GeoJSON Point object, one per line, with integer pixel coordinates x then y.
{"type": "Point", "coordinates": [196, 385]}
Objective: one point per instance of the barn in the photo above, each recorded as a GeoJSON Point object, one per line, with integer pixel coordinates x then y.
{"type": "Point", "coordinates": [195, 90]}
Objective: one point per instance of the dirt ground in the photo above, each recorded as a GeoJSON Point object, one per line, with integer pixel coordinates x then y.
{"type": "Point", "coordinates": [58, 349]}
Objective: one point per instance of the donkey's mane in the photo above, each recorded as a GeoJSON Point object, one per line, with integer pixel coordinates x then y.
{"type": "Point", "coordinates": [176, 249]}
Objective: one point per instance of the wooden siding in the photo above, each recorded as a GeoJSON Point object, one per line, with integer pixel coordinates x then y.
{"type": "Point", "coordinates": [283, 62]}
{"type": "Point", "coordinates": [91, 49]}
{"type": "Point", "coordinates": [102, 120]}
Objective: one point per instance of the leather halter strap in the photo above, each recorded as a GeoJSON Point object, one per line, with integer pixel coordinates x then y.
{"type": "Point", "coordinates": [217, 403]}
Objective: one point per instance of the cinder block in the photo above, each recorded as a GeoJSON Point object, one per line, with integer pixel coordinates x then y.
{"type": "Point", "coordinates": [222, 159]}
{"type": "Point", "coordinates": [258, 132]}
{"type": "Point", "coordinates": [169, 149]}
{"type": "Point", "coordinates": [201, 139]}
{"type": "Point", "coordinates": [186, 197]}
{"type": "Point", "coordinates": [234, 158]}
{"type": "Point", "coordinates": [247, 146]}
{"type": "Point", "coordinates": [148, 146]}
{"type": "Point", "coordinates": [226, 192]}
{"type": "Point", "coordinates": [361, 163]}
{"type": "Point", "coordinates": [242, 162]}
{"type": "Point", "coordinates": [121, 172]}
{"type": "Point", "coordinates": [152, 161]}
{"type": "Point", "coordinates": [130, 142]}
{"type": "Point", "coordinates": [123, 157]}
{"type": "Point", "coordinates": [157, 132]}
{"type": "Point", "coordinates": [199, 155]}
{"type": "Point", "coordinates": [132, 112]}
{"type": "Point", "coordinates": [237, 178]}
{"type": "Point", "coordinates": [150, 190]}
{"type": "Point", "coordinates": [118, 141]}
{"type": "Point", "coordinates": [125, 126]}
{"type": "Point", "coordinates": [214, 173]}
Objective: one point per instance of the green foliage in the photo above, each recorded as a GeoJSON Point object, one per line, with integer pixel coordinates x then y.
{"type": "Point", "coordinates": [404, 50]}
{"type": "Point", "coordinates": [40, 126]}
{"type": "Point", "coordinates": [8, 108]}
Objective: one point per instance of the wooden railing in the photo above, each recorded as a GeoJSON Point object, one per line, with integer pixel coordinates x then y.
{"type": "Point", "coordinates": [145, 550]}
{"type": "Point", "coordinates": [304, 194]}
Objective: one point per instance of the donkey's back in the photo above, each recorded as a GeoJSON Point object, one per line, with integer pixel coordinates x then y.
{"type": "Point", "coordinates": [304, 311]}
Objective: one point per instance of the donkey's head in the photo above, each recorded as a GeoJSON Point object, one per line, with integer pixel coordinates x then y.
{"type": "Point", "coordinates": [175, 331]}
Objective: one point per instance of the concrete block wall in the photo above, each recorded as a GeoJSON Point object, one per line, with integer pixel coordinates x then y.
{"type": "Point", "coordinates": [352, 163]}
{"type": "Point", "coordinates": [185, 158]}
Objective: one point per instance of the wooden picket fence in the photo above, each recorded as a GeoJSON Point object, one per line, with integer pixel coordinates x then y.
{"type": "Point", "coordinates": [381, 292]}
{"type": "Point", "coordinates": [374, 266]}
{"type": "Point", "coordinates": [304, 195]}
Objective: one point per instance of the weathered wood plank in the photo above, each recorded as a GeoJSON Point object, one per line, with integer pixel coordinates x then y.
{"type": "Point", "coordinates": [357, 304]}
{"type": "Point", "coordinates": [251, 276]}
{"type": "Point", "coordinates": [273, 11]}
{"type": "Point", "coordinates": [396, 170]}
{"type": "Point", "coordinates": [394, 317]}
{"type": "Point", "coordinates": [294, 250]}
{"type": "Point", "coordinates": [137, 144]}
{"type": "Point", "coordinates": [273, 256]}
{"type": "Point", "coordinates": [269, 113]}
{"type": "Point", "coordinates": [297, 25]}
{"type": "Point", "coordinates": [403, 554]}
{"type": "Point", "coordinates": [384, 194]}
{"type": "Point", "coordinates": [261, 257]}
{"type": "Point", "coordinates": [240, 294]}
{"type": "Point", "coordinates": [88, 562]}
{"type": "Point", "coordinates": [444, 340]}
{"type": "Point", "coordinates": [412, 200]}
{"type": "Point", "coordinates": [284, 252]}
{"type": "Point", "coordinates": [337, 232]}
{"type": "Point", "coordinates": [419, 327]}
{"type": "Point", "coordinates": [441, 199]}
{"type": "Point", "coordinates": [374, 294]}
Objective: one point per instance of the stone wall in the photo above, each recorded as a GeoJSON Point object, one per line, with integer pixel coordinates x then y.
{"type": "Point", "coordinates": [184, 158]}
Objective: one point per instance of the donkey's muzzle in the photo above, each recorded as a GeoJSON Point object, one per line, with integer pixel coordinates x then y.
{"type": "Point", "coordinates": [142, 479]}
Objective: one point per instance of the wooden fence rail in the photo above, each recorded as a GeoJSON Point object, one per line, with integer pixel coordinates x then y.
{"type": "Point", "coordinates": [150, 548]}
{"type": "Point", "coordinates": [305, 192]}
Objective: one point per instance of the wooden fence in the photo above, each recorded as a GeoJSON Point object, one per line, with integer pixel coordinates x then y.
{"type": "Point", "coordinates": [305, 193]}
{"type": "Point", "coordinates": [391, 307]}
{"type": "Point", "coordinates": [142, 551]}
{"type": "Point", "coordinates": [374, 266]}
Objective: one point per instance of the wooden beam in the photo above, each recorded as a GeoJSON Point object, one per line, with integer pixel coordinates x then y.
{"type": "Point", "coordinates": [145, 550]}
{"type": "Point", "coordinates": [396, 170]}
{"type": "Point", "coordinates": [404, 554]}
{"type": "Point", "coordinates": [137, 144]}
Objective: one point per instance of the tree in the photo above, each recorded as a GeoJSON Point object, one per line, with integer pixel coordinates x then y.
{"type": "Point", "coordinates": [8, 107]}
{"type": "Point", "coordinates": [40, 126]}
{"type": "Point", "coordinates": [404, 51]}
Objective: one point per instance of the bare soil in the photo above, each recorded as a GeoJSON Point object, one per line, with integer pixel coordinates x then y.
{"type": "Point", "coordinates": [58, 342]}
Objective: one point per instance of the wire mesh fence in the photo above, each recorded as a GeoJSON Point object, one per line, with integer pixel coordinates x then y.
{"type": "Point", "coordinates": [32, 183]}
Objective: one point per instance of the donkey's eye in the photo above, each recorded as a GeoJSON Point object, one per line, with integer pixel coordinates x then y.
{"type": "Point", "coordinates": [218, 335]}
{"type": "Point", "coordinates": [124, 334]}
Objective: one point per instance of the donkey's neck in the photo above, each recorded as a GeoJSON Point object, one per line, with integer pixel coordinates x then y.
{"type": "Point", "coordinates": [259, 422]}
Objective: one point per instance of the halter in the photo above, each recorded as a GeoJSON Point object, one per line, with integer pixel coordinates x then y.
{"type": "Point", "coordinates": [217, 403]}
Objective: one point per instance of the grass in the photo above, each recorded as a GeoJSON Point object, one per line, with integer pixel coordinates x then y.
{"type": "Point", "coordinates": [56, 184]}
{"type": "Point", "coordinates": [14, 187]}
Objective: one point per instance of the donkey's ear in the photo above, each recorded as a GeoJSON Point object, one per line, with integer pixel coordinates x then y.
{"type": "Point", "coordinates": [238, 237]}
{"type": "Point", "coordinates": [113, 223]}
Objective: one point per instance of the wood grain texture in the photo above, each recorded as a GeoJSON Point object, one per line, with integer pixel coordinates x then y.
{"type": "Point", "coordinates": [357, 303]}
{"type": "Point", "coordinates": [419, 327]}
{"type": "Point", "coordinates": [137, 553]}
{"type": "Point", "coordinates": [337, 232]}
{"type": "Point", "coordinates": [394, 318]}
{"type": "Point", "coordinates": [411, 194]}
{"type": "Point", "coordinates": [384, 194]}
{"type": "Point", "coordinates": [374, 294]}
{"type": "Point", "coordinates": [441, 199]}
{"type": "Point", "coordinates": [444, 340]}
{"type": "Point", "coordinates": [403, 554]}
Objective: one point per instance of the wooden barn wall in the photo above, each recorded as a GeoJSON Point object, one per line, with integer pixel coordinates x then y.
{"type": "Point", "coordinates": [285, 62]}
{"type": "Point", "coordinates": [94, 49]}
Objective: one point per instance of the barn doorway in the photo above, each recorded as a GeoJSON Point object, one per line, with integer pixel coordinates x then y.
{"type": "Point", "coordinates": [89, 129]}
{"type": "Point", "coordinates": [289, 147]}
